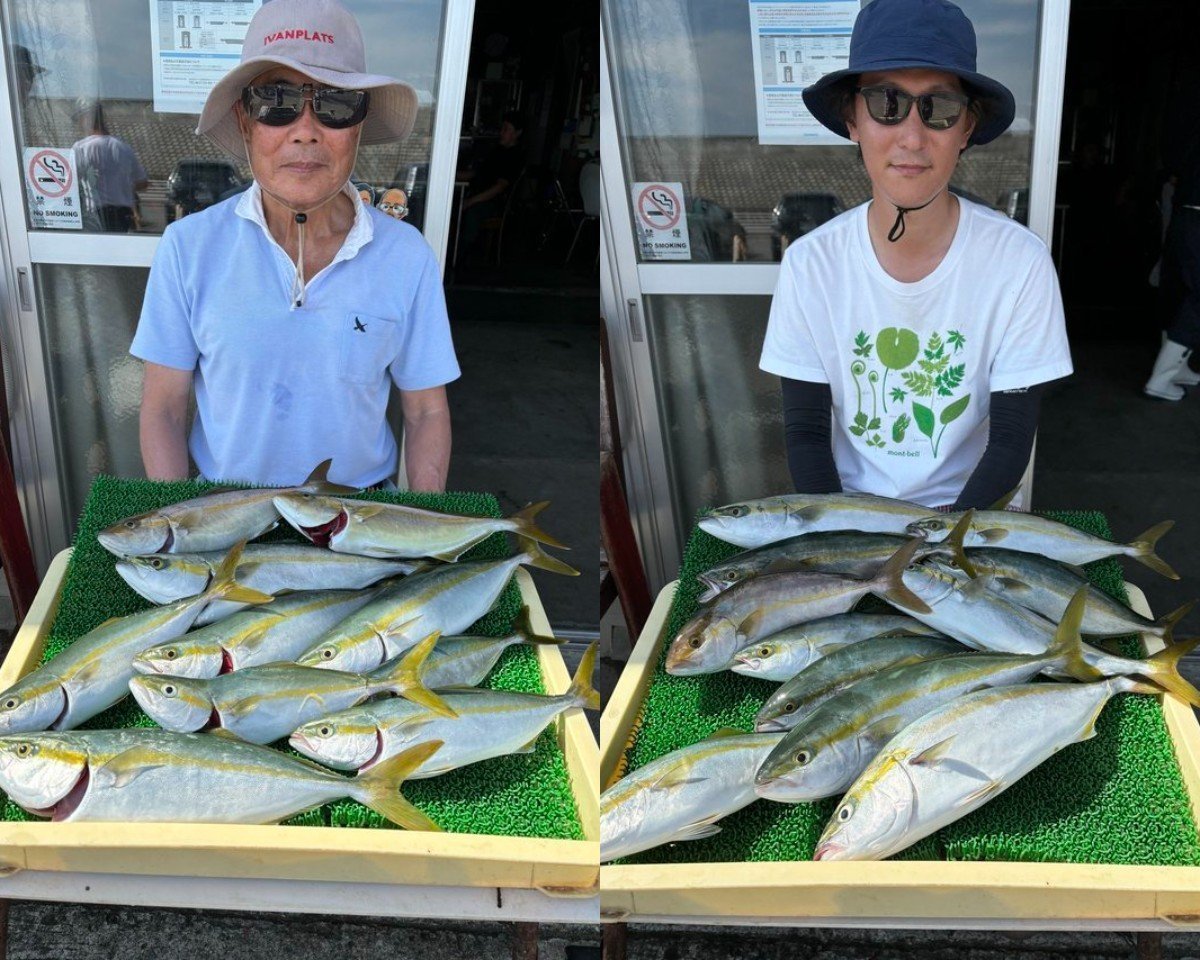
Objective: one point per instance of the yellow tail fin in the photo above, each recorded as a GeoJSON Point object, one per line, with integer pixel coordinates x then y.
{"type": "Point", "coordinates": [523, 628]}
{"type": "Point", "coordinates": [535, 556]}
{"type": "Point", "coordinates": [225, 587]}
{"type": "Point", "coordinates": [527, 528]}
{"type": "Point", "coordinates": [955, 541]}
{"type": "Point", "coordinates": [890, 580]}
{"type": "Point", "coordinates": [1067, 648]}
{"type": "Point", "coordinates": [1168, 621]}
{"type": "Point", "coordinates": [405, 678]}
{"type": "Point", "coordinates": [318, 481]}
{"type": "Point", "coordinates": [1162, 670]}
{"type": "Point", "coordinates": [1143, 549]}
{"type": "Point", "coordinates": [581, 684]}
{"type": "Point", "coordinates": [379, 787]}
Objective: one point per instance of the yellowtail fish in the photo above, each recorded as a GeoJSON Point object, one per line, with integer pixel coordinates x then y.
{"type": "Point", "coordinates": [215, 521]}
{"type": "Point", "coordinates": [145, 775]}
{"type": "Point", "coordinates": [263, 704]}
{"type": "Point", "coordinates": [93, 673]}
{"type": "Point", "coordinates": [756, 523]}
{"type": "Point", "coordinates": [371, 529]}
{"type": "Point", "coordinates": [765, 605]}
{"type": "Point", "coordinates": [488, 723]}
{"type": "Point", "coordinates": [682, 795]}
{"type": "Point", "coordinates": [467, 660]}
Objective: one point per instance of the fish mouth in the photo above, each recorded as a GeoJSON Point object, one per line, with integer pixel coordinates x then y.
{"type": "Point", "coordinates": [70, 801]}
{"type": "Point", "coordinates": [829, 851]}
{"type": "Point", "coordinates": [375, 758]}
{"type": "Point", "coordinates": [323, 533]}
{"type": "Point", "coordinates": [769, 726]}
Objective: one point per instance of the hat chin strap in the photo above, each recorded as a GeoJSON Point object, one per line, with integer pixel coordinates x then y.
{"type": "Point", "coordinates": [299, 283]}
{"type": "Point", "coordinates": [897, 230]}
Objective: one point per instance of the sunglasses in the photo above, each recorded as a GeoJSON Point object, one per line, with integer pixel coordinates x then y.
{"type": "Point", "coordinates": [890, 106]}
{"type": "Point", "coordinates": [279, 104]}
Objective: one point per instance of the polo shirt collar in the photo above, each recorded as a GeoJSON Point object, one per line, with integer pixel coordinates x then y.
{"type": "Point", "coordinates": [250, 207]}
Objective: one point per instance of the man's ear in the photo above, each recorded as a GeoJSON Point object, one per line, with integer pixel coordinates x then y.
{"type": "Point", "coordinates": [852, 130]}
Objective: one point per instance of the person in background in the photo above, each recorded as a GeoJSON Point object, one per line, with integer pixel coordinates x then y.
{"type": "Point", "coordinates": [912, 333]}
{"type": "Point", "coordinates": [491, 182]}
{"type": "Point", "coordinates": [27, 70]}
{"type": "Point", "coordinates": [110, 173]}
{"type": "Point", "coordinates": [270, 305]}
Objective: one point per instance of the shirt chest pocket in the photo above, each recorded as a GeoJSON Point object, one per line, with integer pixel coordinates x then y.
{"type": "Point", "coordinates": [368, 345]}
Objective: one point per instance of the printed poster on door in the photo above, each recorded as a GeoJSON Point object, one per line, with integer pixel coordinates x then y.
{"type": "Point", "coordinates": [794, 43]}
{"type": "Point", "coordinates": [193, 43]}
{"type": "Point", "coordinates": [52, 188]}
{"type": "Point", "coordinates": [660, 219]}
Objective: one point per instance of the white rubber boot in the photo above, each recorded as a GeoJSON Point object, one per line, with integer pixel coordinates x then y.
{"type": "Point", "coordinates": [1187, 377]}
{"type": "Point", "coordinates": [1170, 363]}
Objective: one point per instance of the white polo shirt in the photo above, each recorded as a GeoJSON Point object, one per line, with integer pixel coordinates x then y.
{"type": "Point", "coordinates": [279, 388]}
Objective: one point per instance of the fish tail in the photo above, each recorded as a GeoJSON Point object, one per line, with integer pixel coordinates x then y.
{"type": "Point", "coordinates": [1067, 648]}
{"type": "Point", "coordinates": [527, 528]}
{"type": "Point", "coordinates": [581, 684]}
{"type": "Point", "coordinates": [956, 540]}
{"type": "Point", "coordinates": [225, 587]}
{"type": "Point", "coordinates": [1162, 670]}
{"type": "Point", "coordinates": [406, 677]}
{"type": "Point", "coordinates": [890, 579]}
{"type": "Point", "coordinates": [524, 629]}
{"type": "Point", "coordinates": [1143, 549]}
{"type": "Point", "coordinates": [1168, 621]}
{"type": "Point", "coordinates": [318, 481]}
{"type": "Point", "coordinates": [535, 556]}
{"type": "Point", "coordinates": [379, 787]}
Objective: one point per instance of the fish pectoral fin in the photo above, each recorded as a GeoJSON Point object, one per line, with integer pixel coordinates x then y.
{"type": "Point", "coordinates": [1013, 586]}
{"type": "Point", "coordinates": [698, 831]}
{"type": "Point", "coordinates": [938, 757]}
{"type": "Point", "coordinates": [252, 640]}
{"type": "Point", "coordinates": [747, 627]}
{"type": "Point", "coordinates": [87, 673]}
{"type": "Point", "coordinates": [675, 777]}
{"type": "Point", "coordinates": [128, 765]}
{"type": "Point", "coordinates": [973, 589]}
{"type": "Point", "coordinates": [811, 512]}
{"type": "Point", "coordinates": [240, 709]}
{"type": "Point", "coordinates": [882, 730]}
{"type": "Point", "coordinates": [784, 565]}
{"type": "Point", "coordinates": [528, 747]}
{"type": "Point", "coordinates": [187, 521]}
{"type": "Point", "coordinates": [359, 514]}
{"type": "Point", "coordinates": [725, 732]}
{"type": "Point", "coordinates": [931, 756]}
{"type": "Point", "coordinates": [993, 534]}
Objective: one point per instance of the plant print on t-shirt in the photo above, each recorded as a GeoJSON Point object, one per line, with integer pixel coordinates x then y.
{"type": "Point", "coordinates": [922, 393]}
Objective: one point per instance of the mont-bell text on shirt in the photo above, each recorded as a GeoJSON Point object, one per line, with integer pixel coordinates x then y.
{"type": "Point", "coordinates": [298, 35]}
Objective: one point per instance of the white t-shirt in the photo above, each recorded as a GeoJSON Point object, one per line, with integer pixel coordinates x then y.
{"type": "Point", "coordinates": [911, 366]}
{"type": "Point", "coordinates": [280, 387]}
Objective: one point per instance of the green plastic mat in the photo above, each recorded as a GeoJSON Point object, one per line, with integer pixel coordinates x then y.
{"type": "Point", "coordinates": [1118, 798]}
{"type": "Point", "coordinates": [519, 795]}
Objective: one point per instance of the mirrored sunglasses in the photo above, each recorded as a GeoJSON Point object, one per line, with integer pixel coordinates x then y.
{"type": "Point", "coordinates": [890, 105]}
{"type": "Point", "coordinates": [279, 104]}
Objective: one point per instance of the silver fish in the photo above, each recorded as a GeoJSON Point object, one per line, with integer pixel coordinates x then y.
{"type": "Point", "coordinates": [215, 521]}
{"type": "Point", "coordinates": [765, 605]}
{"type": "Point", "coordinates": [273, 568]}
{"type": "Point", "coordinates": [810, 688]}
{"type": "Point", "coordinates": [848, 552]}
{"type": "Point", "coordinates": [263, 704]}
{"type": "Point", "coordinates": [682, 795]}
{"type": "Point", "coordinates": [783, 655]}
{"type": "Point", "coordinates": [156, 776]}
{"type": "Point", "coordinates": [281, 631]}
{"type": "Point", "coordinates": [372, 529]}
{"type": "Point", "coordinates": [756, 523]}
{"type": "Point", "coordinates": [93, 673]}
{"type": "Point", "coordinates": [447, 599]}
{"type": "Point", "coordinates": [956, 758]}
{"type": "Point", "coordinates": [1048, 538]}
{"type": "Point", "coordinates": [467, 660]}
{"type": "Point", "coordinates": [488, 723]}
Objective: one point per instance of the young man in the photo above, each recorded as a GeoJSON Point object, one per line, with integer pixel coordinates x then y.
{"type": "Point", "coordinates": [923, 322]}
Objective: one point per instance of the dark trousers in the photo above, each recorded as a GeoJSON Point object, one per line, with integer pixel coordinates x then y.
{"type": "Point", "coordinates": [115, 219]}
{"type": "Point", "coordinates": [1181, 278]}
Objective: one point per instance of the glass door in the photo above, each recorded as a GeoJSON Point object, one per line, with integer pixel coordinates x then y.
{"type": "Point", "coordinates": [75, 273]}
{"type": "Point", "coordinates": [702, 200]}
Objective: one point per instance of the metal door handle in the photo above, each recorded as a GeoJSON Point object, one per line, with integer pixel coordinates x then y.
{"type": "Point", "coordinates": [24, 293]}
{"type": "Point", "coordinates": [635, 323]}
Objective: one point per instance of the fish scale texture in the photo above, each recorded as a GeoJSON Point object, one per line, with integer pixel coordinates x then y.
{"type": "Point", "coordinates": [521, 795]}
{"type": "Point", "coordinates": [1118, 798]}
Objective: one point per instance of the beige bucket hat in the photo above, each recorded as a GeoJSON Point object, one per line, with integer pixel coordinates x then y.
{"type": "Point", "coordinates": [321, 39]}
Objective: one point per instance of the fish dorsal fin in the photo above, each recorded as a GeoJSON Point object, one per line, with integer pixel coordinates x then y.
{"type": "Point", "coordinates": [128, 765]}
{"type": "Point", "coordinates": [725, 732]}
{"type": "Point", "coordinates": [1005, 500]}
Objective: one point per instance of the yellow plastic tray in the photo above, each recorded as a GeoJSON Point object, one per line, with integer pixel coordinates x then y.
{"type": "Point", "coordinates": [903, 891]}
{"type": "Point", "coordinates": [567, 867]}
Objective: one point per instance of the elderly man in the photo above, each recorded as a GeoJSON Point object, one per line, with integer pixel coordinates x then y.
{"type": "Point", "coordinates": [291, 309]}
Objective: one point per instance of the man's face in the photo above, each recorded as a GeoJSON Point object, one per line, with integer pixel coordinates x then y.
{"type": "Point", "coordinates": [508, 134]}
{"type": "Point", "coordinates": [304, 162]}
{"type": "Point", "coordinates": [908, 163]}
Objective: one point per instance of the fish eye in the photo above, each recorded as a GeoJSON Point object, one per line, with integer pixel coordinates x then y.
{"type": "Point", "coordinates": [803, 757]}
{"type": "Point", "coordinates": [131, 525]}
{"type": "Point", "coordinates": [169, 654]}
{"type": "Point", "coordinates": [23, 749]}
{"type": "Point", "coordinates": [740, 510]}
{"type": "Point", "coordinates": [731, 576]}
{"type": "Point", "coordinates": [11, 703]}
{"type": "Point", "coordinates": [913, 566]}
{"type": "Point", "coordinates": [324, 731]}
{"type": "Point", "coordinates": [845, 813]}
{"type": "Point", "coordinates": [156, 564]}
{"type": "Point", "coordinates": [764, 651]}
{"type": "Point", "coordinates": [789, 707]}
{"type": "Point", "coordinates": [169, 690]}
{"type": "Point", "coordinates": [327, 653]}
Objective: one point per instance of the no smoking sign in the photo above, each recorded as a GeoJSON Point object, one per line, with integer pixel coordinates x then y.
{"type": "Point", "coordinates": [661, 221]}
{"type": "Point", "coordinates": [52, 189]}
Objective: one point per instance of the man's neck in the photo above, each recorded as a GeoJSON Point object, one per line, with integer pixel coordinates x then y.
{"type": "Point", "coordinates": [332, 218]}
{"type": "Point", "coordinates": [928, 233]}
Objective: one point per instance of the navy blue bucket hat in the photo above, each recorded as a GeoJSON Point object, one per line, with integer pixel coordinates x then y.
{"type": "Point", "coordinates": [900, 34]}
